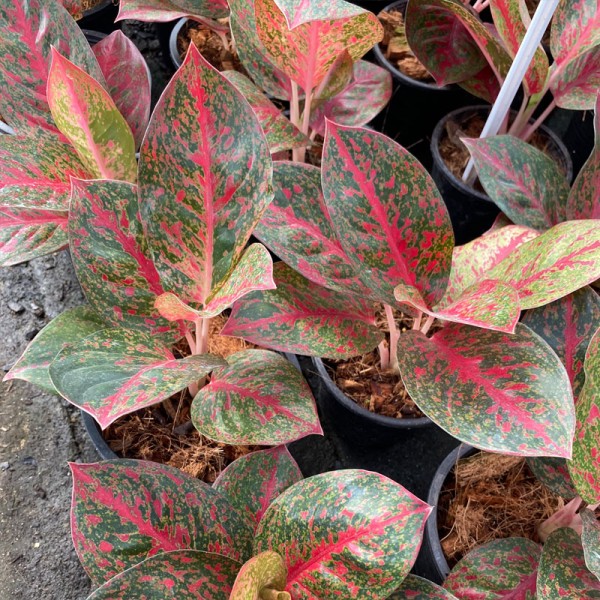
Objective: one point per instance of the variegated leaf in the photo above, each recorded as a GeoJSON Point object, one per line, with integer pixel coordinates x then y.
{"type": "Point", "coordinates": [128, 80]}
{"type": "Point", "coordinates": [387, 213]}
{"type": "Point", "coordinates": [30, 28]}
{"type": "Point", "coordinates": [74, 7]}
{"type": "Point", "coordinates": [124, 511]}
{"type": "Point", "coordinates": [263, 573]}
{"type": "Point", "coordinates": [527, 185]}
{"type": "Point", "coordinates": [590, 540]}
{"type": "Point", "coordinates": [496, 391]}
{"type": "Point", "coordinates": [86, 114]}
{"type": "Point", "coordinates": [304, 40]}
{"type": "Point", "coordinates": [511, 19]}
{"type": "Point", "coordinates": [554, 264]}
{"type": "Point", "coordinates": [297, 228]}
{"type": "Point", "coordinates": [204, 180]}
{"type": "Point", "coordinates": [360, 101]}
{"type": "Point", "coordinates": [304, 318]}
{"type": "Point", "coordinates": [417, 588]}
{"type": "Point", "coordinates": [349, 533]}
{"type": "Point", "coordinates": [68, 328]}
{"type": "Point", "coordinates": [253, 481]}
{"type": "Point", "coordinates": [111, 257]}
{"type": "Point", "coordinates": [116, 371]}
{"type": "Point", "coordinates": [254, 56]}
{"type": "Point", "coordinates": [584, 198]}
{"type": "Point", "coordinates": [484, 85]}
{"type": "Point", "coordinates": [575, 84]}
{"type": "Point", "coordinates": [34, 196]}
{"type": "Point", "coordinates": [168, 10]}
{"type": "Point", "coordinates": [504, 568]}
{"type": "Point", "coordinates": [280, 132]}
{"type": "Point", "coordinates": [258, 398]}
{"type": "Point", "coordinates": [562, 572]}
{"type": "Point", "coordinates": [337, 79]}
{"type": "Point", "coordinates": [181, 574]}
{"type": "Point", "coordinates": [554, 474]}
{"type": "Point", "coordinates": [585, 466]}
{"type": "Point", "coordinates": [472, 262]}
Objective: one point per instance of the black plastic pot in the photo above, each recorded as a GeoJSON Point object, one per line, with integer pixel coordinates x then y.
{"type": "Point", "coordinates": [101, 17]}
{"type": "Point", "coordinates": [93, 430]}
{"type": "Point", "coordinates": [93, 37]}
{"type": "Point", "coordinates": [472, 212]}
{"type": "Point", "coordinates": [431, 562]}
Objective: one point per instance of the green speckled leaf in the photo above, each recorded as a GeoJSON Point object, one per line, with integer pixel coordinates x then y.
{"type": "Point", "coordinates": [253, 481]}
{"type": "Point", "coordinates": [180, 574]}
{"type": "Point", "coordinates": [258, 398]}
{"type": "Point", "coordinates": [117, 371]}
{"type": "Point", "coordinates": [265, 571]}
{"type": "Point", "coordinates": [575, 84]}
{"type": "Point", "coordinates": [496, 391]}
{"type": "Point", "coordinates": [417, 588]}
{"type": "Point", "coordinates": [280, 132]}
{"type": "Point", "coordinates": [527, 185]}
{"type": "Point", "coordinates": [554, 474]}
{"type": "Point", "coordinates": [204, 181]}
{"type": "Point", "coordinates": [124, 511]}
{"type": "Point", "coordinates": [304, 42]}
{"type": "Point", "coordinates": [562, 572]}
{"type": "Point", "coordinates": [590, 540]}
{"type": "Point", "coordinates": [167, 10]}
{"type": "Point", "coordinates": [352, 534]}
{"type": "Point", "coordinates": [30, 28]}
{"type": "Point", "coordinates": [305, 318]}
{"type": "Point", "coordinates": [68, 328]}
{"type": "Point", "coordinates": [585, 466]}
{"type": "Point", "coordinates": [86, 114]}
{"type": "Point", "coordinates": [387, 213]}
{"type": "Point", "coordinates": [111, 256]}
{"type": "Point", "coordinates": [500, 569]}
{"type": "Point", "coordinates": [556, 263]}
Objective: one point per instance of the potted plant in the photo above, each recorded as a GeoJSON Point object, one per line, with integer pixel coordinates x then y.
{"type": "Point", "coordinates": [98, 15]}
{"type": "Point", "coordinates": [259, 532]}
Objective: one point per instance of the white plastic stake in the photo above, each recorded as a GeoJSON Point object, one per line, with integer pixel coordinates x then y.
{"type": "Point", "coordinates": [514, 77]}
{"type": "Point", "coordinates": [4, 128]}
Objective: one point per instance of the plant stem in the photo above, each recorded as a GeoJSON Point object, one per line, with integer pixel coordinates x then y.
{"type": "Point", "coordinates": [271, 594]}
{"type": "Point", "coordinates": [481, 5]}
{"type": "Point", "coordinates": [295, 117]}
{"type": "Point", "coordinates": [532, 128]}
{"type": "Point", "coordinates": [191, 341]}
{"type": "Point", "coordinates": [427, 325]}
{"type": "Point", "coordinates": [384, 356]}
{"type": "Point", "coordinates": [223, 36]}
{"type": "Point", "coordinates": [417, 321]}
{"type": "Point", "coordinates": [394, 337]}
{"type": "Point", "coordinates": [202, 328]}
{"type": "Point", "coordinates": [305, 122]}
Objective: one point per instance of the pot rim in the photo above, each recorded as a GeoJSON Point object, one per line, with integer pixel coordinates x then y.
{"type": "Point", "coordinates": [175, 58]}
{"type": "Point", "coordinates": [351, 406]}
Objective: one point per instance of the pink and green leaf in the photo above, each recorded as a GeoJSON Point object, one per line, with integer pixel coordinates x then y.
{"type": "Point", "coordinates": [265, 571]}
{"type": "Point", "coordinates": [87, 116]}
{"type": "Point", "coordinates": [297, 227]}
{"type": "Point", "coordinates": [511, 19]}
{"type": "Point", "coordinates": [168, 10]}
{"type": "Point", "coordinates": [111, 257]}
{"type": "Point", "coordinates": [302, 317]}
{"type": "Point", "coordinates": [281, 134]}
{"type": "Point", "coordinates": [554, 474]}
{"type": "Point", "coordinates": [499, 392]}
{"type": "Point", "coordinates": [68, 328]}
{"type": "Point", "coordinates": [253, 481]}
{"type": "Point", "coordinates": [339, 76]}
{"type": "Point", "coordinates": [417, 588]}
{"type": "Point", "coordinates": [527, 185]}
{"type": "Point", "coordinates": [125, 511]}
{"type": "Point", "coordinates": [128, 80]}
{"type": "Point", "coordinates": [584, 198]}
{"type": "Point", "coordinates": [116, 371]}
{"type": "Point", "coordinates": [585, 466]}
{"type": "Point", "coordinates": [387, 213]}
{"type": "Point", "coordinates": [30, 29]}
{"type": "Point", "coordinates": [74, 7]}
{"type": "Point", "coordinates": [204, 181]}
{"type": "Point", "coordinates": [349, 533]}
{"type": "Point", "coordinates": [575, 84]}
{"type": "Point", "coordinates": [590, 540]}
{"type": "Point", "coordinates": [258, 398]}
{"type": "Point", "coordinates": [305, 39]}
{"type": "Point", "coordinates": [360, 101]}
{"type": "Point", "coordinates": [505, 568]}
{"type": "Point", "coordinates": [181, 574]}
{"type": "Point", "coordinates": [554, 264]}
{"type": "Point", "coordinates": [562, 572]}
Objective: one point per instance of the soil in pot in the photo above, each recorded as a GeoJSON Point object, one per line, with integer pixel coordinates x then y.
{"type": "Point", "coordinates": [491, 496]}
{"type": "Point", "coordinates": [164, 433]}
{"type": "Point", "coordinates": [210, 45]}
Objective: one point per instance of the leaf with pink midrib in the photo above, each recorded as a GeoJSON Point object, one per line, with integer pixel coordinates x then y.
{"type": "Point", "coordinates": [417, 588]}
{"type": "Point", "coordinates": [125, 511]}
{"type": "Point", "coordinates": [387, 213]}
{"type": "Point", "coordinates": [574, 85]}
{"type": "Point", "coordinates": [167, 10]}
{"type": "Point", "coordinates": [204, 181]}
{"type": "Point", "coordinates": [352, 534]}
{"type": "Point", "coordinates": [500, 392]}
